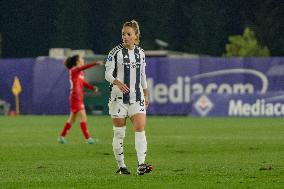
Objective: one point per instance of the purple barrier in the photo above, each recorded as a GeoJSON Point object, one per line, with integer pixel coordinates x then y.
{"type": "Point", "coordinates": [173, 82]}
{"type": "Point", "coordinates": [23, 69]}
{"type": "Point", "coordinates": [51, 87]}
{"type": "Point", "coordinates": [44, 82]}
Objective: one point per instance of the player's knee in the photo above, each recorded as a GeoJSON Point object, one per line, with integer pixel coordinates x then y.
{"type": "Point", "coordinates": [119, 122]}
{"type": "Point", "coordinates": [139, 127]}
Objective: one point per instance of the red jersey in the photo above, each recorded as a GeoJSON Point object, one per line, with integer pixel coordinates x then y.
{"type": "Point", "coordinates": [78, 83]}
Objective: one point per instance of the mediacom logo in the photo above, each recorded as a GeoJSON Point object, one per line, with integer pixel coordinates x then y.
{"type": "Point", "coordinates": [259, 108]}
{"type": "Point", "coordinates": [184, 87]}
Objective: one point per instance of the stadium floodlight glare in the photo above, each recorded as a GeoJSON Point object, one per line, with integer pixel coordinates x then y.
{"type": "Point", "coordinates": [162, 44]}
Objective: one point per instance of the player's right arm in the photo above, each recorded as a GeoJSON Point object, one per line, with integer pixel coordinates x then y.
{"type": "Point", "coordinates": [110, 66]}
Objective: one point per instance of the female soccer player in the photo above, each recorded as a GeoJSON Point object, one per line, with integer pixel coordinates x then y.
{"type": "Point", "coordinates": [125, 70]}
{"type": "Point", "coordinates": [75, 64]}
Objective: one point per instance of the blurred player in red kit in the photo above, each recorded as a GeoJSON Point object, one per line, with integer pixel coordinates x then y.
{"type": "Point", "coordinates": [76, 65]}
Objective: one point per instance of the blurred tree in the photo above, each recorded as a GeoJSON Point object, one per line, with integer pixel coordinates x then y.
{"type": "Point", "coordinates": [154, 18]}
{"type": "Point", "coordinates": [206, 26]}
{"type": "Point", "coordinates": [30, 27]}
{"type": "Point", "coordinates": [157, 22]}
{"type": "Point", "coordinates": [25, 27]}
{"type": "Point", "coordinates": [245, 45]}
{"type": "Point", "coordinates": [267, 20]}
{"type": "Point", "coordinates": [71, 25]}
{"type": "Point", "coordinates": [101, 34]}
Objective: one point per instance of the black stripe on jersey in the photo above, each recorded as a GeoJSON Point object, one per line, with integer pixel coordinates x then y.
{"type": "Point", "coordinates": [126, 61]}
{"type": "Point", "coordinates": [138, 70]}
{"type": "Point", "coordinates": [140, 48]}
{"type": "Point", "coordinates": [115, 49]}
{"type": "Point", "coordinates": [114, 74]}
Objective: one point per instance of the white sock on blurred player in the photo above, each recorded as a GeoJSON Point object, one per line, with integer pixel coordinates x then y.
{"type": "Point", "coordinates": [140, 146]}
{"type": "Point", "coordinates": [117, 144]}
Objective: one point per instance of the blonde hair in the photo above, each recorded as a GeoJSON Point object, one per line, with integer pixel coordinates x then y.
{"type": "Point", "coordinates": [135, 26]}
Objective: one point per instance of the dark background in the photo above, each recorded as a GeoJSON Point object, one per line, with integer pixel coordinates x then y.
{"type": "Point", "coordinates": [30, 28]}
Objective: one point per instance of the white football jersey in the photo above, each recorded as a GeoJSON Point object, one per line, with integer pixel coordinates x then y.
{"type": "Point", "coordinates": [127, 66]}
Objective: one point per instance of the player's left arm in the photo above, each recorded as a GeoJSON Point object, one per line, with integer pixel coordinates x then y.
{"type": "Point", "coordinates": [146, 97]}
{"type": "Point", "coordinates": [86, 66]}
{"type": "Point", "coordinates": [144, 82]}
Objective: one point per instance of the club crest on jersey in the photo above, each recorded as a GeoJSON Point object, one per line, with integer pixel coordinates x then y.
{"type": "Point", "coordinates": [109, 58]}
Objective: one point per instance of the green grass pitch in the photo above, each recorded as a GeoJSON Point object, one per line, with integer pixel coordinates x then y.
{"type": "Point", "coordinates": [186, 153]}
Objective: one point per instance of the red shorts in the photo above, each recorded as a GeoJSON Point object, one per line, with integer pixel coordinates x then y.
{"type": "Point", "coordinates": [76, 105]}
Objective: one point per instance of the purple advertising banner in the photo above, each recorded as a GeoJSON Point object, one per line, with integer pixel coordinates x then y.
{"type": "Point", "coordinates": [173, 82]}
{"type": "Point", "coordinates": [177, 86]}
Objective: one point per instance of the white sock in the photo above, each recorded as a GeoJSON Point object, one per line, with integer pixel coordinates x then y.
{"type": "Point", "coordinates": [140, 146]}
{"type": "Point", "coordinates": [117, 144]}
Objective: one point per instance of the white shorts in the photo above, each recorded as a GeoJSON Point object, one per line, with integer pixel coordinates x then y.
{"type": "Point", "coordinates": [117, 109]}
